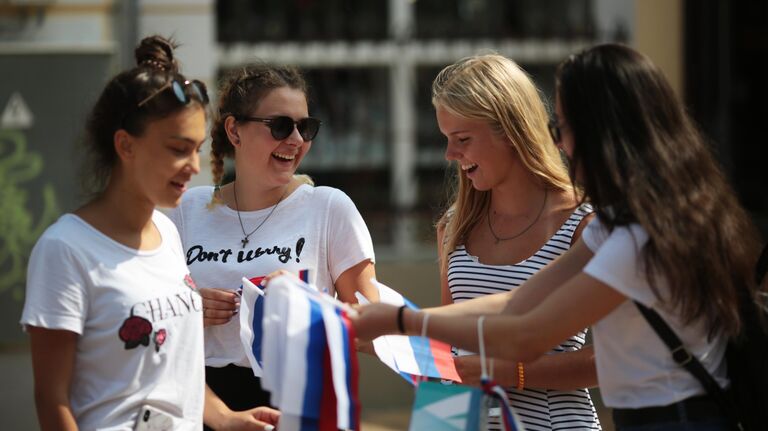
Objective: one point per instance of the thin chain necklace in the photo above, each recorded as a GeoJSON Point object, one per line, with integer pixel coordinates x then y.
{"type": "Point", "coordinates": [245, 239]}
{"type": "Point", "coordinates": [498, 238]}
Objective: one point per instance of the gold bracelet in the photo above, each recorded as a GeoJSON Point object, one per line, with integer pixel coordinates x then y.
{"type": "Point", "coordinates": [520, 376]}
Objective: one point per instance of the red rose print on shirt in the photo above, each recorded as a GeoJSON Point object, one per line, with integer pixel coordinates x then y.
{"type": "Point", "coordinates": [134, 331]}
{"type": "Point", "coordinates": [160, 337]}
{"type": "Point", "coordinates": [189, 282]}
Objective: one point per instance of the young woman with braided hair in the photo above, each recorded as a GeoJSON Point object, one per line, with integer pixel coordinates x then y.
{"type": "Point", "coordinates": [266, 219]}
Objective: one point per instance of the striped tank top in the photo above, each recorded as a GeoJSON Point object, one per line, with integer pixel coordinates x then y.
{"type": "Point", "coordinates": [539, 409]}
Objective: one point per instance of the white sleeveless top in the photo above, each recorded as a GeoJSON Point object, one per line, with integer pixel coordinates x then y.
{"type": "Point", "coordinates": [539, 409]}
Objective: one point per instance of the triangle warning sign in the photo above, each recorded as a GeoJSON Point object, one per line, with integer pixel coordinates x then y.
{"type": "Point", "coordinates": [16, 114]}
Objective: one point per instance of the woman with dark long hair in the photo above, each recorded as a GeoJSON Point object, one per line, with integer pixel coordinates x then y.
{"type": "Point", "coordinates": [669, 235]}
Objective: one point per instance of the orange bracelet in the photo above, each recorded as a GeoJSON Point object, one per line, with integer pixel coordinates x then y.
{"type": "Point", "coordinates": [520, 376]}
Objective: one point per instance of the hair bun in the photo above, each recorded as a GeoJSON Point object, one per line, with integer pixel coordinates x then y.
{"type": "Point", "coordinates": [156, 52]}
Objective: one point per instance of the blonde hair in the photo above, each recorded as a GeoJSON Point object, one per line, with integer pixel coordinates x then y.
{"type": "Point", "coordinates": [495, 89]}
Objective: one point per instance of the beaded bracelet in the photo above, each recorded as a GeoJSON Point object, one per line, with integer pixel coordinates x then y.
{"type": "Point", "coordinates": [520, 376]}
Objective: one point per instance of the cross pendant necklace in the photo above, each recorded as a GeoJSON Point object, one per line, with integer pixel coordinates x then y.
{"type": "Point", "coordinates": [245, 239]}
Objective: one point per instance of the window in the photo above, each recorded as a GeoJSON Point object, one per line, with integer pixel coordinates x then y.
{"type": "Point", "coordinates": [370, 66]}
{"type": "Point", "coordinates": [259, 21]}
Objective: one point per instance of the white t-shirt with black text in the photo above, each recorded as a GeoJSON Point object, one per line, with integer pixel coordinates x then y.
{"type": "Point", "coordinates": [314, 228]}
{"type": "Point", "coordinates": [635, 368]}
{"type": "Point", "coordinates": [138, 317]}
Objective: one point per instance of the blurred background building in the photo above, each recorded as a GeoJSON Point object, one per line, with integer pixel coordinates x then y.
{"type": "Point", "coordinates": [370, 65]}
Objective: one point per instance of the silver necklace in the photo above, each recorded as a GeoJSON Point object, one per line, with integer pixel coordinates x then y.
{"type": "Point", "coordinates": [245, 239]}
{"type": "Point", "coordinates": [498, 238]}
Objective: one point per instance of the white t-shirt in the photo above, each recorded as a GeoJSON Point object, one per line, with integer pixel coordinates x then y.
{"type": "Point", "coordinates": [314, 228]}
{"type": "Point", "coordinates": [138, 318]}
{"type": "Point", "coordinates": [634, 367]}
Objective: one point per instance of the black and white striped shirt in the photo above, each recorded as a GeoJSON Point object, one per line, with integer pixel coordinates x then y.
{"type": "Point", "coordinates": [538, 409]}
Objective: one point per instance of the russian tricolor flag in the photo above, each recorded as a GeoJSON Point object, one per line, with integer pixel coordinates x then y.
{"type": "Point", "coordinates": [309, 362]}
{"type": "Point", "coordinates": [412, 357]}
{"type": "Point", "coordinates": [251, 316]}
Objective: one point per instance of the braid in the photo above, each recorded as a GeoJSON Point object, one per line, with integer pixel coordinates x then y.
{"type": "Point", "coordinates": [217, 169]}
{"type": "Point", "coordinates": [220, 149]}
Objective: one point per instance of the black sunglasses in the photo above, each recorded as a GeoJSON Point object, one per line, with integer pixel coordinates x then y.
{"type": "Point", "coordinates": [198, 89]}
{"type": "Point", "coordinates": [554, 131]}
{"type": "Point", "coordinates": [281, 127]}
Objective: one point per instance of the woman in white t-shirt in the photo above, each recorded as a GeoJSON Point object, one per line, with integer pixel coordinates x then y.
{"type": "Point", "coordinates": [114, 318]}
{"type": "Point", "coordinates": [267, 219]}
{"type": "Point", "coordinates": [669, 234]}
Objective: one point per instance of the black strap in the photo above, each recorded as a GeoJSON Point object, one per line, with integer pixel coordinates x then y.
{"type": "Point", "coordinates": [685, 359]}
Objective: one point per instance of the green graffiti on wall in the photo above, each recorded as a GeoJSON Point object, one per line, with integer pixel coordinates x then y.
{"type": "Point", "coordinates": [18, 231]}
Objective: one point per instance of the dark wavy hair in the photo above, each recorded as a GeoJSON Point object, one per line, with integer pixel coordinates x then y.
{"type": "Point", "coordinates": [641, 160]}
{"type": "Point", "coordinates": [241, 92]}
{"type": "Point", "coordinates": [117, 107]}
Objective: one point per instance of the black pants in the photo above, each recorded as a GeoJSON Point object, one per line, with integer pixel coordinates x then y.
{"type": "Point", "coordinates": [237, 387]}
{"type": "Point", "coordinates": [698, 409]}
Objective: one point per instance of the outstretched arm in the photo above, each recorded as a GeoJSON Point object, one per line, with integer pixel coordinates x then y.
{"type": "Point", "coordinates": [580, 302]}
{"type": "Point", "coordinates": [530, 293]}
{"type": "Point", "coordinates": [562, 371]}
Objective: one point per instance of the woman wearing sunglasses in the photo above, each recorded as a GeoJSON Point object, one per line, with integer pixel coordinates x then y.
{"type": "Point", "coordinates": [514, 211]}
{"type": "Point", "coordinates": [114, 318]}
{"type": "Point", "coordinates": [669, 236]}
{"type": "Point", "coordinates": [266, 219]}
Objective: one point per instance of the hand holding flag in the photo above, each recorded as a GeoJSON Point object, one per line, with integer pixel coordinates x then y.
{"type": "Point", "coordinates": [411, 357]}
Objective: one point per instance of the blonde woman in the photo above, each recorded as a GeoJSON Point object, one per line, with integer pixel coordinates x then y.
{"type": "Point", "coordinates": [669, 236]}
{"type": "Point", "coordinates": [513, 211]}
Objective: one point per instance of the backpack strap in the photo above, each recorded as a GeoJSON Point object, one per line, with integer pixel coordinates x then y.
{"type": "Point", "coordinates": [685, 359]}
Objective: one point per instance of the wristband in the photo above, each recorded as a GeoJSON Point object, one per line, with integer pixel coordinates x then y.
{"type": "Point", "coordinates": [400, 324]}
{"type": "Point", "coordinates": [520, 376]}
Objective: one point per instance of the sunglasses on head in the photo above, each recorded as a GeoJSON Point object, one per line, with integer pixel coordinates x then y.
{"type": "Point", "coordinates": [198, 89]}
{"type": "Point", "coordinates": [281, 127]}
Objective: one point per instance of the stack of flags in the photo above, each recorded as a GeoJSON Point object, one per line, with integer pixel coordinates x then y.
{"type": "Point", "coordinates": [251, 316]}
{"type": "Point", "coordinates": [303, 345]}
{"type": "Point", "coordinates": [414, 358]}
